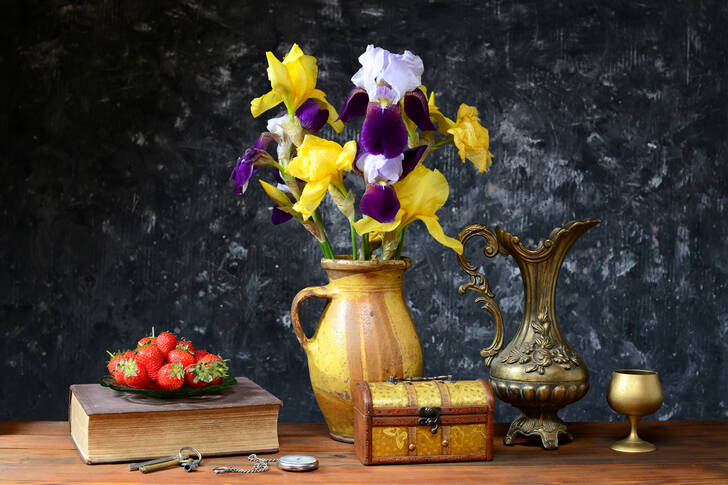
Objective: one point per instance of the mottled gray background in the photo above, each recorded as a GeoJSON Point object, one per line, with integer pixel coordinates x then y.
{"type": "Point", "coordinates": [121, 122]}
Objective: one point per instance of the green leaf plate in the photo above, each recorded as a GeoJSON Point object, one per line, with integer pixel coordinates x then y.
{"type": "Point", "coordinates": [184, 391]}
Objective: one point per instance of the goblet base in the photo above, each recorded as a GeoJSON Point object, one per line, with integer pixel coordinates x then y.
{"type": "Point", "coordinates": [631, 445]}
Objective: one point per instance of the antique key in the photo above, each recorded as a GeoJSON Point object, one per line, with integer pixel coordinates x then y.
{"type": "Point", "coordinates": [181, 458]}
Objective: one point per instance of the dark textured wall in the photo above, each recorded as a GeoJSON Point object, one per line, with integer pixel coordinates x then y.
{"type": "Point", "coordinates": [121, 122]}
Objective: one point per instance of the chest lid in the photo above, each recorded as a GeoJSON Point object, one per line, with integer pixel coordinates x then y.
{"type": "Point", "coordinates": [427, 398]}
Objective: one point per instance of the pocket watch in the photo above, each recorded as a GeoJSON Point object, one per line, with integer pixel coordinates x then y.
{"type": "Point", "coordinates": [289, 463]}
{"type": "Point", "coordinates": [297, 463]}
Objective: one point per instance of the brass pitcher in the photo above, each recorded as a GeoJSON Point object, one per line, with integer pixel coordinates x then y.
{"type": "Point", "coordinates": [538, 372]}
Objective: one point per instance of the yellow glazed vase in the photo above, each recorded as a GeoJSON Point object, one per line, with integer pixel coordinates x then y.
{"type": "Point", "coordinates": [365, 333]}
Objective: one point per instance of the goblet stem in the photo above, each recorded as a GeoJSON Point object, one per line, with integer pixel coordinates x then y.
{"type": "Point", "coordinates": [633, 443]}
{"type": "Point", "coordinates": [633, 436]}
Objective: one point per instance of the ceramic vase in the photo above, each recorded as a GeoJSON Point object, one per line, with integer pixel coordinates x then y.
{"type": "Point", "coordinates": [365, 333]}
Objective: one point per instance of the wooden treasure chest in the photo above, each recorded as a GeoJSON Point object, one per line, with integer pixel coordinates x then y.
{"type": "Point", "coordinates": [423, 420]}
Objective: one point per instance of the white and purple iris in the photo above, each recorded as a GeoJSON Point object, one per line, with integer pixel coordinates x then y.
{"type": "Point", "coordinates": [311, 118]}
{"type": "Point", "coordinates": [379, 172]}
{"type": "Point", "coordinates": [383, 81]}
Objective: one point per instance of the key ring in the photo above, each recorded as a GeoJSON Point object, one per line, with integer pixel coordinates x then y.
{"type": "Point", "coordinates": [184, 457]}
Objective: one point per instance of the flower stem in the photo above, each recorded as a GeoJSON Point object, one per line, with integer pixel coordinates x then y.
{"type": "Point", "coordinates": [326, 249]}
{"type": "Point", "coordinates": [444, 142]}
{"type": "Point", "coordinates": [354, 251]}
{"type": "Point", "coordinates": [398, 252]}
{"type": "Point", "coordinates": [325, 245]}
{"type": "Point", "coordinates": [278, 166]}
{"type": "Point", "coordinates": [365, 251]}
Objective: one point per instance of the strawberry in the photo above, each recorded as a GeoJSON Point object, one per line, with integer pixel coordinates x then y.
{"type": "Point", "coordinates": [145, 340]}
{"type": "Point", "coordinates": [211, 358]}
{"type": "Point", "coordinates": [166, 342]}
{"type": "Point", "coordinates": [135, 375]}
{"type": "Point", "coordinates": [182, 356]}
{"type": "Point", "coordinates": [185, 345]}
{"type": "Point", "coordinates": [195, 375]}
{"type": "Point", "coordinates": [199, 354]}
{"type": "Point", "coordinates": [151, 358]}
{"type": "Point", "coordinates": [205, 374]}
{"type": "Point", "coordinates": [118, 372]}
{"type": "Point", "coordinates": [171, 377]}
{"type": "Point", "coordinates": [218, 369]}
{"type": "Point", "coordinates": [113, 361]}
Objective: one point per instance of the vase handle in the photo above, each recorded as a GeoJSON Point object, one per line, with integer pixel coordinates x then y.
{"type": "Point", "coordinates": [301, 296]}
{"type": "Point", "coordinates": [479, 284]}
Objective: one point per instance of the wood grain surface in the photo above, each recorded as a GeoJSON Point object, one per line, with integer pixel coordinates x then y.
{"type": "Point", "coordinates": [687, 452]}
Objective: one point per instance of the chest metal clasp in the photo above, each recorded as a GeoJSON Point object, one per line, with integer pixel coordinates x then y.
{"type": "Point", "coordinates": [430, 416]}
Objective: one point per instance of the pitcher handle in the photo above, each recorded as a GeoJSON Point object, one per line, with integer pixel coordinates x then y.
{"type": "Point", "coordinates": [479, 284]}
{"type": "Point", "coordinates": [301, 296]}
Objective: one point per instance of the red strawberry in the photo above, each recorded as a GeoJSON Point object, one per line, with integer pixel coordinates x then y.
{"type": "Point", "coordinates": [119, 373]}
{"type": "Point", "coordinates": [145, 340]}
{"type": "Point", "coordinates": [151, 358]}
{"type": "Point", "coordinates": [135, 375]}
{"type": "Point", "coordinates": [182, 356]}
{"type": "Point", "coordinates": [185, 345]}
{"type": "Point", "coordinates": [171, 377]}
{"type": "Point", "coordinates": [205, 374]}
{"type": "Point", "coordinates": [218, 369]}
{"type": "Point", "coordinates": [194, 375]}
{"type": "Point", "coordinates": [166, 342]}
{"type": "Point", "coordinates": [199, 354]}
{"type": "Point", "coordinates": [113, 361]}
{"type": "Point", "coordinates": [211, 358]}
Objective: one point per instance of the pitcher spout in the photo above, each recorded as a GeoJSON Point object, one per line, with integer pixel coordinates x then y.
{"type": "Point", "coordinates": [559, 241]}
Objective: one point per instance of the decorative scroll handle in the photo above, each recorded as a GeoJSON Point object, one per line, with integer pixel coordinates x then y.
{"type": "Point", "coordinates": [479, 284]}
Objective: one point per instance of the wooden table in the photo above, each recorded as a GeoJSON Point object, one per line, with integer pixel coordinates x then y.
{"type": "Point", "coordinates": [687, 452]}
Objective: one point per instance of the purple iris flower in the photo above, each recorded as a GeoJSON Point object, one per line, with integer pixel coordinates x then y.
{"type": "Point", "coordinates": [311, 116]}
{"type": "Point", "coordinates": [383, 80]}
{"type": "Point", "coordinates": [245, 166]}
{"type": "Point", "coordinates": [279, 216]}
{"type": "Point", "coordinates": [380, 200]}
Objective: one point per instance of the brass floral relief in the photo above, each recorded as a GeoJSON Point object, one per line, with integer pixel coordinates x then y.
{"type": "Point", "coordinates": [541, 351]}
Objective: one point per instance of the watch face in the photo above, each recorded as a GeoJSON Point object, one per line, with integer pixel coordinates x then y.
{"type": "Point", "coordinates": [297, 463]}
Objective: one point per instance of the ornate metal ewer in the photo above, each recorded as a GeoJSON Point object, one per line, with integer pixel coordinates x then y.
{"type": "Point", "coordinates": [538, 371]}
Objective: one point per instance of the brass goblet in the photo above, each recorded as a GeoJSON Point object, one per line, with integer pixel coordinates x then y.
{"type": "Point", "coordinates": [635, 393]}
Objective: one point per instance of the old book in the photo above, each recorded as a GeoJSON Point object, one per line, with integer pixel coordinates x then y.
{"type": "Point", "coordinates": [111, 426]}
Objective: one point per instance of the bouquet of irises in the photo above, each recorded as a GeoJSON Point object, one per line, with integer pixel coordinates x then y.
{"type": "Point", "coordinates": [401, 127]}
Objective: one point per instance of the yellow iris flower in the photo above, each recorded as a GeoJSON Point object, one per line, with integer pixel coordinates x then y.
{"type": "Point", "coordinates": [471, 138]}
{"type": "Point", "coordinates": [421, 194]}
{"type": "Point", "coordinates": [292, 82]}
{"type": "Point", "coordinates": [443, 122]}
{"type": "Point", "coordinates": [320, 163]}
{"type": "Point", "coordinates": [276, 194]}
